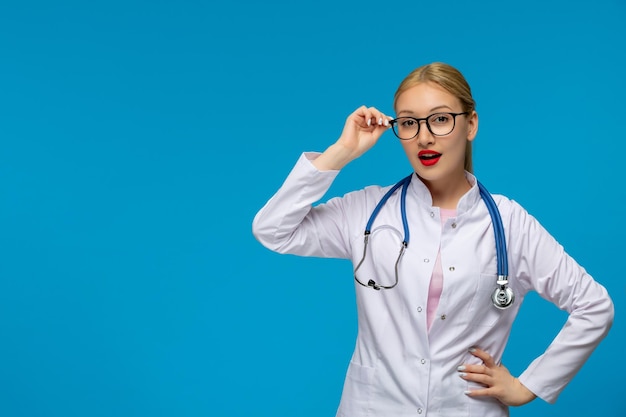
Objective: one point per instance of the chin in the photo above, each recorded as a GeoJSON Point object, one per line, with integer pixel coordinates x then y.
{"type": "Point", "coordinates": [430, 174]}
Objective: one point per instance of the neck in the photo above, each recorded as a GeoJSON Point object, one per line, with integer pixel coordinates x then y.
{"type": "Point", "coordinates": [447, 193]}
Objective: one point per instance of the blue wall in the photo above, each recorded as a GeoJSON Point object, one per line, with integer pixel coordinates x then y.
{"type": "Point", "coordinates": [138, 139]}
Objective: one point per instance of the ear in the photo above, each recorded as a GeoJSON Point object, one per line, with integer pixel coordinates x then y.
{"type": "Point", "coordinates": [472, 126]}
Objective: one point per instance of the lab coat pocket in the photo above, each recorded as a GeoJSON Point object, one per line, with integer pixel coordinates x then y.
{"type": "Point", "coordinates": [482, 312]}
{"type": "Point", "coordinates": [357, 391]}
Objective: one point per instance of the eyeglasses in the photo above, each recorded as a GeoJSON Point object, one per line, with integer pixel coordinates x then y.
{"type": "Point", "coordinates": [439, 124]}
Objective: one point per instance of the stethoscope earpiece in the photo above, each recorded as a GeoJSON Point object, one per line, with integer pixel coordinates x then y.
{"type": "Point", "coordinates": [372, 283]}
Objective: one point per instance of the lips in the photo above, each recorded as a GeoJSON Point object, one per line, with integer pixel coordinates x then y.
{"type": "Point", "coordinates": [428, 158]}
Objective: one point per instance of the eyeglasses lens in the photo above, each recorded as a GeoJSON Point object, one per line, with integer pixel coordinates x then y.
{"type": "Point", "coordinates": [439, 124]}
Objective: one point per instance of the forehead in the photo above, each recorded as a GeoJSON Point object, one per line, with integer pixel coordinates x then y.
{"type": "Point", "coordinates": [423, 98]}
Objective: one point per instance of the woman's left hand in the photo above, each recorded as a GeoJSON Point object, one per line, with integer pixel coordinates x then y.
{"type": "Point", "coordinates": [498, 381]}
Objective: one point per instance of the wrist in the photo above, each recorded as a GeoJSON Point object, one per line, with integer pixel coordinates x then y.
{"type": "Point", "coordinates": [527, 394]}
{"type": "Point", "coordinates": [333, 159]}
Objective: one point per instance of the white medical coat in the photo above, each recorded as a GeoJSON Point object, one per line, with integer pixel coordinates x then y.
{"type": "Point", "coordinates": [399, 368]}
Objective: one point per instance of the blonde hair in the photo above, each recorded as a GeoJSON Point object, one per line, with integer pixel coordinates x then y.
{"type": "Point", "coordinates": [451, 80]}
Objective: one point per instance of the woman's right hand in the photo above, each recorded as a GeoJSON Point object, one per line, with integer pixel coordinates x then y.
{"type": "Point", "coordinates": [362, 130]}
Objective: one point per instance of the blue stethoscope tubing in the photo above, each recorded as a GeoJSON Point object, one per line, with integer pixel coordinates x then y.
{"type": "Point", "coordinates": [502, 297]}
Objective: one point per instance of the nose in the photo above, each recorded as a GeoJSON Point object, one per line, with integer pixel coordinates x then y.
{"type": "Point", "coordinates": [424, 137]}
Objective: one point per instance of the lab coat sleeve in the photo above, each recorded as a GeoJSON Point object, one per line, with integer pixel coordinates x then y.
{"type": "Point", "coordinates": [543, 265]}
{"type": "Point", "coordinates": [288, 223]}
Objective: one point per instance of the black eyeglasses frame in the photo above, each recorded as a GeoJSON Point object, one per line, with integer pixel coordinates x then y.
{"type": "Point", "coordinates": [394, 122]}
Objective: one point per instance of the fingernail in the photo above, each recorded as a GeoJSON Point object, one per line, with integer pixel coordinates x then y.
{"type": "Point", "coordinates": [386, 122]}
{"type": "Point", "coordinates": [369, 122]}
{"type": "Point", "coordinates": [472, 350]}
{"type": "Point", "coordinates": [380, 121]}
{"type": "Point", "coordinates": [462, 374]}
{"type": "Point", "coordinates": [467, 392]}
{"type": "Point", "coordinates": [461, 368]}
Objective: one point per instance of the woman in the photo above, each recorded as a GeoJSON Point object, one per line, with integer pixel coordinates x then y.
{"type": "Point", "coordinates": [430, 340]}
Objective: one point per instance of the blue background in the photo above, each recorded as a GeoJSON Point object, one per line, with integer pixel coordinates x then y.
{"type": "Point", "coordinates": [138, 140]}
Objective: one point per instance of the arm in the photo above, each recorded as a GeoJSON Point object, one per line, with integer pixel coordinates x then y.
{"type": "Point", "coordinates": [362, 130]}
{"type": "Point", "coordinates": [288, 223]}
{"type": "Point", "coordinates": [558, 278]}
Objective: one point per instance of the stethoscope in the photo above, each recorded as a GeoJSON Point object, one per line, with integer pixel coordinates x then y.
{"type": "Point", "coordinates": [502, 297]}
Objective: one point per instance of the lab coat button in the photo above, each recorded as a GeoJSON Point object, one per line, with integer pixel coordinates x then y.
{"type": "Point", "coordinates": [443, 317]}
{"type": "Point", "coordinates": [419, 411]}
{"type": "Point", "coordinates": [454, 225]}
{"type": "Point", "coordinates": [451, 269]}
{"type": "Point", "coordinates": [432, 214]}
{"type": "Point", "coordinates": [423, 361]}
{"type": "Point", "coordinates": [419, 309]}
{"type": "Point", "coordinates": [426, 260]}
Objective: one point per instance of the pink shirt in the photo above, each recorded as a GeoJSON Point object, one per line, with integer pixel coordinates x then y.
{"type": "Point", "coordinates": [436, 280]}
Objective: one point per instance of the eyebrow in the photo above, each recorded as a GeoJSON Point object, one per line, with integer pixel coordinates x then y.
{"type": "Point", "coordinates": [442, 107]}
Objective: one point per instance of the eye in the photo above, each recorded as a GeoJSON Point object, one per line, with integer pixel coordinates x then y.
{"type": "Point", "coordinates": [440, 118]}
{"type": "Point", "coordinates": [407, 122]}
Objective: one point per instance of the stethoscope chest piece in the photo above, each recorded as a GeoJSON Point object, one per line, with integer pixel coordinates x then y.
{"type": "Point", "coordinates": [502, 296]}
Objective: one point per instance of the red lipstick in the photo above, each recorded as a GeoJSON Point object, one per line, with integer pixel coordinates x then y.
{"type": "Point", "coordinates": [428, 158]}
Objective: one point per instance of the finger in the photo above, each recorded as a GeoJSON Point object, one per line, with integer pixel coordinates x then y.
{"type": "Point", "coordinates": [371, 117]}
{"type": "Point", "coordinates": [483, 379]}
{"type": "Point", "coordinates": [474, 369]}
{"type": "Point", "coordinates": [379, 118]}
{"type": "Point", "coordinates": [484, 356]}
{"type": "Point", "coordinates": [383, 122]}
{"type": "Point", "coordinates": [362, 116]}
{"type": "Point", "coordinates": [375, 117]}
{"type": "Point", "coordinates": [387, 121]}
{"type": "Point", "coordinates": [481, 392]}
